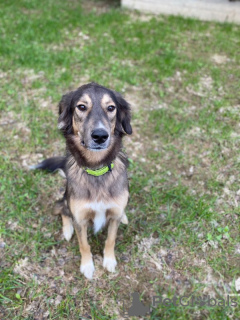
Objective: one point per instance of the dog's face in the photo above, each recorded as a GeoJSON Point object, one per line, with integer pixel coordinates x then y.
{"type": "Point", "coordinates": [95, 116]}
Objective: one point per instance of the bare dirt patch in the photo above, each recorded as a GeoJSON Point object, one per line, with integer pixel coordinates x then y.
{"type": "Point", "coordinates": [220, 59]}
{"type": "Point", "coordinates": [10, 121]}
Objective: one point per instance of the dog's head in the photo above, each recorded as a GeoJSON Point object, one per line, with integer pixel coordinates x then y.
{"type": "Point", "coordinates": [94, 116]}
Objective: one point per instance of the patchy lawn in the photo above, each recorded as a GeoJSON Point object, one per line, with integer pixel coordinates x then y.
{"type": "Point", "coordinates": [182, 78]}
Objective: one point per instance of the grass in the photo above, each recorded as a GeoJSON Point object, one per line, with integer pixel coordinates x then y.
{"type": "Point", "coordinates": [181, 77]}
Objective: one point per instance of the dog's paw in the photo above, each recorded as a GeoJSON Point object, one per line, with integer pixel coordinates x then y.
{"type": "Point", "coordinates": [87, 269]}
{"type": "Point", "coordinates": [109, 264]}
{"type": "Point", "coordinates": [68, 231]}
{"type": "Point", "coordinates": [124, 219]}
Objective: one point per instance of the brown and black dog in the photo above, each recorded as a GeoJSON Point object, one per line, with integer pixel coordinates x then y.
{"type": "Point", "coordinates": [93, 120]}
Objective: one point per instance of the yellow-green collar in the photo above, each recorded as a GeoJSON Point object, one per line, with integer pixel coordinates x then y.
{"type": "Point", "coordinates": [101, 171]}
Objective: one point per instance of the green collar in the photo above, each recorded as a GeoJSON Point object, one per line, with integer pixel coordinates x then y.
{"type": "Point", "coordinates": [101, 171]}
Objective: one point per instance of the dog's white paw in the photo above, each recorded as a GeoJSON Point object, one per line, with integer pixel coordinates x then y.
{"type": "Point", "coordinates": [124, 219]}
{"type": "Point", "coordinates": [109, 264]}
{"type": "Point", "coordinates": [68, 231]}
{"type": "Point", "coordinates": [87, 269]}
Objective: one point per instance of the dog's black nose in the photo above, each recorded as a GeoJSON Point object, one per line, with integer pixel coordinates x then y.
{"type": "Point", "coordinates": [99, 136]}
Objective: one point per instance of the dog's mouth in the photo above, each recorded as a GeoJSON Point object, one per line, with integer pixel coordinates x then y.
{"type": "Point", "coordinates": [98, 148]}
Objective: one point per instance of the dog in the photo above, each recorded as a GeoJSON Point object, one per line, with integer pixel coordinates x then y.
{"type": "Point", "coordinates": [93, 119]}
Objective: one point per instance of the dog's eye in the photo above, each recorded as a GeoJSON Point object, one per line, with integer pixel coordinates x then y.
{"type": "Point", "coordinates": [111, 108]}
{"type": "Point", "coordinates": [82, 107]}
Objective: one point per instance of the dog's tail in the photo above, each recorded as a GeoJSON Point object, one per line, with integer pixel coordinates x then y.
{"type": "Point", "coordinates": [52, 164]}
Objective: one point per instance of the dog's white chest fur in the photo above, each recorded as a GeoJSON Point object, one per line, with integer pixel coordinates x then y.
{"type": "Point", "coordinates": [100, 209]}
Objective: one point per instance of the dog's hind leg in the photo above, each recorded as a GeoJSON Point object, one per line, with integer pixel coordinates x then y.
{"type": "Point", "coordinates": [67, 227]}
{"type": "Point", "coordinates": [67, 223]}
{"type": "Point", "coordinates": [109, 260]}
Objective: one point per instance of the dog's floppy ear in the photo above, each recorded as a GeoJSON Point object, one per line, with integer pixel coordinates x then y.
{"type": "Point", "coordinates": [123, 114]}
{"type": "Point", "coordinates": [65, 113]}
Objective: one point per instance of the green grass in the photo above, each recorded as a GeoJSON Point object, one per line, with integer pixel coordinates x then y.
{"type": "Point", "coordinates": [183, 177]}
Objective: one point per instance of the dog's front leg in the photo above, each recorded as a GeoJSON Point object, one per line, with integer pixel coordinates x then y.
{"type": "Point", "coordinates": [87, 266]}
{"type": "Point", "coordinates": [109, 260]}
